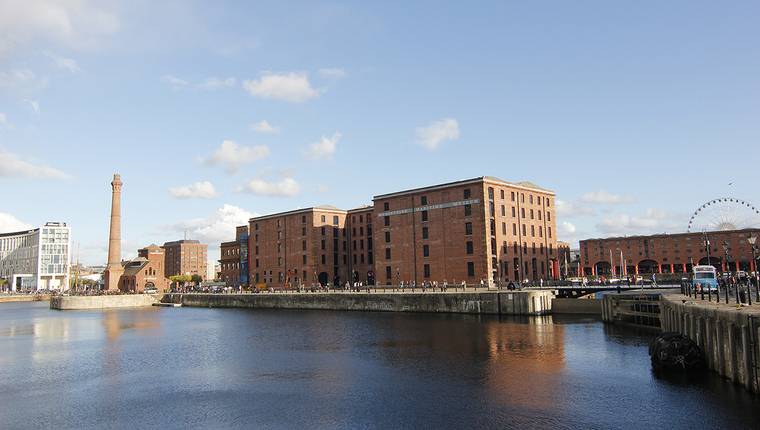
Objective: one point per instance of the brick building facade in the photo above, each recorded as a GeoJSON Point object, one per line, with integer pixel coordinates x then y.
{"type": "Point", "coordinates": [186, 257]}
{"type": "Point", "coordinates": [304, 246]}
{"type": "Point", "coordinates": [667, 253]}
{"type": "Point", "coordinates": [478, 229]}
{"type": "Point", "coordinates": [145, 271]}
{"type": "Point", "coordinates": [361, 241]}
{"type": "Point", "coordinates": [229, 263]}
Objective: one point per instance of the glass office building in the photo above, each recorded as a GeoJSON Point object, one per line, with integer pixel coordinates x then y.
{"type": "Point", "coordinates": [37, 259]}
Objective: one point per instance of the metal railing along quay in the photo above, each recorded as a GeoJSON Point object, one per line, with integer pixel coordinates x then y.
{"type": "Point", "coordinates": [738, 293]}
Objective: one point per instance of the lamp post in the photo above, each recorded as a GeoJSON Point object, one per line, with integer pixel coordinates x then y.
{"type": "Point", "coordinates": [706, 242]}
{"type": "Point", "coordinates": [752, 239]}
{"type": "Point", "coordinates": [725, 250]}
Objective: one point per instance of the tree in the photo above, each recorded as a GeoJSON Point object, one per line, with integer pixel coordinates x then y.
{"type": "Point", "coordinates": [179, 279]}
{"type": "Point", "coordinates": [197, 279]}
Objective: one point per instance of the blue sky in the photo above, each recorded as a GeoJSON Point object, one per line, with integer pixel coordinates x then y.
{"type": "Point", "coordinates": [635, 113]}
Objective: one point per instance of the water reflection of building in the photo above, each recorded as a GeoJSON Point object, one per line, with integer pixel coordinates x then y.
{"type": "Point", "coordinates": [516, 359]}
{"type": "Point", "coordinates": [518, 352]}
{"type": "Point", "coordinates": [142, 319]}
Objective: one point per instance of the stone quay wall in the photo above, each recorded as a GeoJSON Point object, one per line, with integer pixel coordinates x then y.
{"type": "Point", "coordinates": [728, 335]}
{"type": "Point", "coordinates": [102, 302]}
{"type": "Point", "coordinates": [25, 298]}
{"type": "Point", "coordinates": [492, 302]}
{"type": "Point", "coordinates": [577, 306]}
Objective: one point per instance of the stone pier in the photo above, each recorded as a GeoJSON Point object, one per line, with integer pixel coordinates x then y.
{"type": "Point", "coordinates": [103, 302]}
{"type": "Point", "coordinates": [728, 335]}
{"type": "Point", "coordinates": [490, 302]}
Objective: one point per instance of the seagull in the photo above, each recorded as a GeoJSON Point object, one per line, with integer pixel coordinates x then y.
{"type": "Point", "coordinates": [730, 183]}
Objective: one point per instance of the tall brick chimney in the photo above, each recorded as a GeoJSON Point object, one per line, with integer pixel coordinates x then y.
{"type": "Point", "coordinates": [114, 270]}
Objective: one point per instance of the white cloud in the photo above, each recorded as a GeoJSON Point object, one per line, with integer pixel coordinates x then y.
{"type": "Point", "coordinates": [567, 228]}
{"type": "Point", "coordinates": [324, 147]}
{"type": "Point", "coordinates": [604, 197]}
{"type": "Point", "coordinates": [289, 87]}
{"type": "Point", "coordinates": [34, 104]}
{"type": "Point", "coordinates": [9, 223]}
{"type": "Point", "coordinates": [570, 209]}
{"type": "Point", "coordinates": [214, 83]}
{"type": "Point", "coordinates": [174, 82]}
{"type": "Point", "coordinates": [332, 73]}
{"type": "Point", "coordinates": [232, 155]}
{"type": "Point", "coordinates": [13, 167]}
{"type": "Point", "coordinates": [198, 190]}
{"type": "Point", "coordinates": [63, 62]}
{"type": "Point", "coordinates": [217, 227]}
{"type": "Point", "coordinates": [653, 221]}
{"type": "Point", "coordinates": [4, 123]}
{"type": "Point", "coordinates": [77, 24]}
{"type": "Point", "coordinates": [264, 126]}
{"type": "Point", "coordinates": [23, 80]}
{"type": "Point", "coordinates": [287, 187]}
{"type": "Point", "coordinates": [437, 132]}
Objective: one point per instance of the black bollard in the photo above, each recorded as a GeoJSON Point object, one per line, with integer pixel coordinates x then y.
{"type": "Point", "coordinates": [702, 292]}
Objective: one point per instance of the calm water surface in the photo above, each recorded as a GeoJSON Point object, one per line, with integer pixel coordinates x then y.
{"type": "Point", "coordinates": [229, 368]}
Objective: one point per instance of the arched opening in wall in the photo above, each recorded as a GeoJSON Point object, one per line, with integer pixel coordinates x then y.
{"type": "Point", "coordinates": [648, 266]}
{"type": "Point", "coordinates": [603, 268]}
{"type": "Point", "coordinates": [323, 278]}
{"type": "Point", "coordinates": [714, 261]}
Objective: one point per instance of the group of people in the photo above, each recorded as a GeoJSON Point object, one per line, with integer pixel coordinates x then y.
{"type": "Point", "coordinates": [426, 285]}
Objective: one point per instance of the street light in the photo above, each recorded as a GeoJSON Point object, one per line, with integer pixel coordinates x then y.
{"type": "Point", "coordinates": [753, 247]}
{"type": "Point", "coordinates": [728, 269]}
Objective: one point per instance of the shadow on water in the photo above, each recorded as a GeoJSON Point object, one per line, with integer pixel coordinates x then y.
{"type": "Point", "coordinates": [630, 335]}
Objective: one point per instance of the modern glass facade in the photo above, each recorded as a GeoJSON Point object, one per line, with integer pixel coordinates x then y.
{"type": "Point", "coordinates": [36, 259]}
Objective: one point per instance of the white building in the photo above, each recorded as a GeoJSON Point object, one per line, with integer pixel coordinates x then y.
{"type": "Point", "coordinates": [36, 259]}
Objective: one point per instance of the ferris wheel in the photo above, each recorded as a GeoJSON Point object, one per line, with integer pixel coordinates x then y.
{"type": "Point", "coordinates": [726, 213]}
